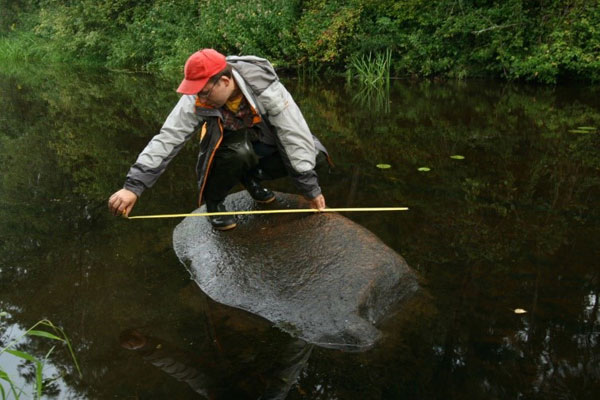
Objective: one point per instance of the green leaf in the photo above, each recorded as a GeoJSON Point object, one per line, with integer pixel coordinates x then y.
{"type": "Point", "coordinates": [4, 376]}
{"type": "Point", "coordinates": [38, 368]}
{"type": "Point", "coordinates": [586, 128]}
{"type": "Point", "coordinates": [579, 131]}
{"type": "Point", "coordinates": [3, 314]}
{"type": "Point", "coordinates": [457, 157]}
{"type": "Point", "coordinates": [38, 380]}
{"type": "Point", "coordinates": [23, 355]}
{"type": "Point", "coordinates": [48, 353]}
{"type": "Point", "coordinates": [424, 169]}
{"type": "Point", "coordinates": [45, 335]}
{"type": "Point", "coordinates": [384, 166]}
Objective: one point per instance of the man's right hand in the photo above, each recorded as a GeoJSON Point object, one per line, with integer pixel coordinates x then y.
{"type": "Point", "coordinates": [318, 203]}
{"type": "Point", "coordinates": [121, 202]}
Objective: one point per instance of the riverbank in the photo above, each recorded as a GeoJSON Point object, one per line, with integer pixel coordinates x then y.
{"type": "Point", "coordinates": [513, 40]}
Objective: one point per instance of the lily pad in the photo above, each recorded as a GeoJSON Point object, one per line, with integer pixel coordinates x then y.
{"type": "Point", "coordinates": [384, 166]}
{"type": "Point", "coordinates": [457, 157]}
{"type": "Point", "coordinates": [424, 169]}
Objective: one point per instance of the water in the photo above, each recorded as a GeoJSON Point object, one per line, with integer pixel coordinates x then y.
{"type": "Point", "coordinates": [514, 224]}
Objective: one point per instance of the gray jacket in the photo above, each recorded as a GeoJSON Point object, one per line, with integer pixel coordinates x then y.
{"type": "Point", "coordinates": [260, 85]}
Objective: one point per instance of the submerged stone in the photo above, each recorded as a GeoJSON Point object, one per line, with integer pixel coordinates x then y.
{"type": "Point", "coordinates": [320, 277]}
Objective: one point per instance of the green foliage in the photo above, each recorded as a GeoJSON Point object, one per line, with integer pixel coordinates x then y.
{"type": "Point", "coordinates": [11, 12]}
{"type": "Point", "coordinates": [326, 28]}
{"type": "Point", "coordinates": [87, 28]}
{"type": "Point", "coordinates": [161, 34]}
{"type": "Point", "coordinates": [153, 37]}
{"type": "Point", "coordinates": [262, 27]}
{"type": "Point", "coordinates": [513, 39]}
{"type": "Point", "coordinates": [11, 348]}
{"type": "Point", "coordinates": [373, 70]}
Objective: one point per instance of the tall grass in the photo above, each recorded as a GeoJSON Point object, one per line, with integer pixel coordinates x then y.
{"type": "Point", "coordinates": [372, 70]}
{"type": "Point", "coordinates": [373, 73]}
{"type": "Point", "coordinates": [22, 47]}
{"type": "Point", "coordinates": [56, 334]}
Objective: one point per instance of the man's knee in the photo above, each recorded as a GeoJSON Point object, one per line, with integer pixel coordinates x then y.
{"type": "Point", "coordinates": [236, 157]}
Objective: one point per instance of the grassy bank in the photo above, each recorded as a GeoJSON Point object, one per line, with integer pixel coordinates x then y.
{"type": "Point", "coordinates": [542, 41]}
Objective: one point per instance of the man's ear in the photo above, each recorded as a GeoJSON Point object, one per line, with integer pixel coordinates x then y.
{"type": "Point", "coordinates": [226, 80]}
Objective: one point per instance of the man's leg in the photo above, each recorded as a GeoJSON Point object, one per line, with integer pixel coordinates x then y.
{"type": "Point", "coordinates": [234, 158]}
{"type": "Point", "coordinates": [252, 177]}
{"type": "Point", "coordinates": [270, 165]}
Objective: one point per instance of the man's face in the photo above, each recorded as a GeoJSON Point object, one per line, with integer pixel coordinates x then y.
{"type": "Point", "coordinates": [217, 94]}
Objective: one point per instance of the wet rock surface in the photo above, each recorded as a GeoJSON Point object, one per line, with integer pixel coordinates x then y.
{"type": "Point", "coordinates": [320, 277]}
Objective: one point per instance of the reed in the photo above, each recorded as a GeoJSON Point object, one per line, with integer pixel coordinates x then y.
{"type": "Point", "coordinates": [372, 70]}
{"type": "Point", "coordinates": [55, 334]}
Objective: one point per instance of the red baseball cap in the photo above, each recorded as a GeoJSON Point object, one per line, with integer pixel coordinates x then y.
{"type": "Point", "coordinates": [199, 68]}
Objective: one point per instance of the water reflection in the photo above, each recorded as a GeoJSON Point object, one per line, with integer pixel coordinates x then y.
{"type": "Point", "coordinates": [513, 225]}
{"type": "Point", "coordinates": [215, 374]}
{"type": "Point", "coordinates": [369, 97]}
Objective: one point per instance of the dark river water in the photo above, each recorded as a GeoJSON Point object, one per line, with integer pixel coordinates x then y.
{"type": "Point", "coordinates": [515, 224]}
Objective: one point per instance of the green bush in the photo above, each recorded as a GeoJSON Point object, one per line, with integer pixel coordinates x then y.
{"type": "Point", "coordinates": [513, 39]}
{"type": "Point", "coordinates": [325, 30]}
{"type": "Point", "coordinates": [156, 36]}
{"type": "Point", "coordinates": [262, 27]}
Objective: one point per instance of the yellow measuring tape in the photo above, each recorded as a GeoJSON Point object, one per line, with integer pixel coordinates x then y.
{"type": "Point", "coordinates": [282, 211]}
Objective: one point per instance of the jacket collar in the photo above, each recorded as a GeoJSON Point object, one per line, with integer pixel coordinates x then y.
{"type": "Point", "coordinates": [241, 83]}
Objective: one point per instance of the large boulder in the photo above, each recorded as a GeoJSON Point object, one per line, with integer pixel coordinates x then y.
{"type": "Point", "coordinates": [320, 277]}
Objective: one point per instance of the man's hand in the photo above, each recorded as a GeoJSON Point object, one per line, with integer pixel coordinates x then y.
{"type": "Point", "coordinates": [121, 202]}
{"type": "Point", "coordinates": [318, 202]}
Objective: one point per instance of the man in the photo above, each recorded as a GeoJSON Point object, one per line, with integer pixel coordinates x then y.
{"type": "Point", "coordinates": [251, 130]}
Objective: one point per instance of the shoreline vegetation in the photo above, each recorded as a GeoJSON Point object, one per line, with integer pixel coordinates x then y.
{"type": "Point", "coordinates": [543, 41]}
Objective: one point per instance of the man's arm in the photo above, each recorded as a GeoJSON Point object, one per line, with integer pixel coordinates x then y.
{"type": "Point", "coordinates": [153, 160]}
{"type": "Point", "coordinates": [295, 139]}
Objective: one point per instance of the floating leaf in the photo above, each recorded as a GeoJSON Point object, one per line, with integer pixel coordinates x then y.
{"type": "Point", "coordinates": [384, 166]}
{"type": "Point", "coordinates": [457, 157]}
{"type": "Point", "coordinates": [520, 311]}
{"type": "Point", "coordinates": [579, 131]}
{"type": "Point", "coordinates": [586, 128]}
{"type": "Point", "coordinates": [424, 169]}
